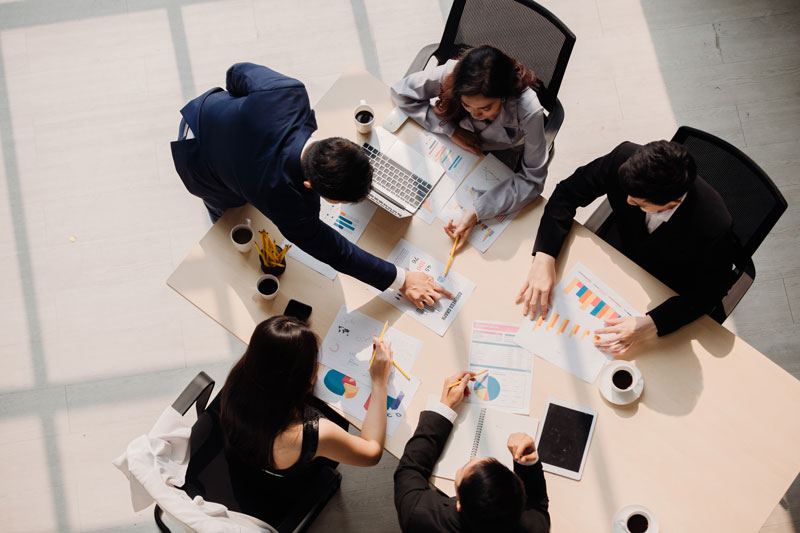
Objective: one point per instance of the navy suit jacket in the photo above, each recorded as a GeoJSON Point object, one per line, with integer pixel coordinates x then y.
{"type": "Point", "coordinates": [693, 252]}
{"type": "Point", "coordinates": [421, 508]}
{"type": "Point", "coordinates": [247, 147]}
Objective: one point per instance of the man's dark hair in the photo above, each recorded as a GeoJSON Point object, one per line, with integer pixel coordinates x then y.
{"type": "Point", "coordinates": [492, 498]}
{"type": "Point", "coordinates": [659, 172]}
{"type": "Point", "coordinates": [338, 169]}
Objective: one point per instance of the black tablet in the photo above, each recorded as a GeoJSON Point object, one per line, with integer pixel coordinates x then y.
{"type": "Point", "coordinates": [564, 436]}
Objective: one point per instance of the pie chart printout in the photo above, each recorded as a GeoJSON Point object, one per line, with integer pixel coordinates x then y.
{"type": "Point", "coordinates": [340, 385]}
{"type": "Point", "coordinates": [488, 389]}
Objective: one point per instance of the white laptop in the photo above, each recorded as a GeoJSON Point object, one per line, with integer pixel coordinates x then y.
{"type": "Point", "coordinates": [402, 177]}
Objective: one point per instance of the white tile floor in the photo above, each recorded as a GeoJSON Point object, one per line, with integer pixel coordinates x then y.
{"type": "Point", "coordinates": [93, 218]}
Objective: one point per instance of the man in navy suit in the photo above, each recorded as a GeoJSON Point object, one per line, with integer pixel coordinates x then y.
{"type": "Point", "coordinates": [252, 144]}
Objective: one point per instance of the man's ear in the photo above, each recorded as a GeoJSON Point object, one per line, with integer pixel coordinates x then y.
{"type": "Point", "coordinates": [307, 184]}
{"type": "Point", "coordinates": [458, 505]}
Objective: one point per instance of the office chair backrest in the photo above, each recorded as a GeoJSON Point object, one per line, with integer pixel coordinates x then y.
{"type": "Point", "coordinates": [521, 28]}
{"type": "Point", "coordinates": [753, 200]}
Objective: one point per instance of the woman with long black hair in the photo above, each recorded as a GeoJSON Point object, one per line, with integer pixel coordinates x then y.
{"type": "Point", "coordinates": [266, 414]}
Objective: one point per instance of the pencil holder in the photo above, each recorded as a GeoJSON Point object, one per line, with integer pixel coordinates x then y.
{"type": "Point", "coordinates": [274, 270]}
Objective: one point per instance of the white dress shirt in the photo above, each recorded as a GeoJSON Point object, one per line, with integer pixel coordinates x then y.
{"type": "Point", "coordinates": [654, 220]}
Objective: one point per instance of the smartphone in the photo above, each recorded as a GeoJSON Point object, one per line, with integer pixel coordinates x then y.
{"type": "Point", "coordinates": [297, 310]}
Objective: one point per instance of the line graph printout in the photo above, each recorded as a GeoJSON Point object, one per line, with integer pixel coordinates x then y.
{"type": "Point", "coordinates": [507, 383]}
{"type": "Point", "coordinates": [581, 302]}
{"type": "Point", "coordinates": [348, 346]}
{"type": "Point", "coordinates": [349, 220]}
{"type": "Point", "coordinates": [490, 172]}
{"type": "Point", "coordinates": [456, 163]}
{"type": "Point", "coordinates": [354, 396]}
{"type": "Point", "coordinates": [443, 313]}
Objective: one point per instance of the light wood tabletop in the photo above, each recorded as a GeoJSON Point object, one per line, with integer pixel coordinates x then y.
{"type": "Point", "coordinates": [711, 445]}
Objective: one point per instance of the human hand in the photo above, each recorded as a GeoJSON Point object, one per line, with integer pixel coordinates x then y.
{"type": "Point", "coordinates": [468, 140]}
{"type": "Point", "coordinates": [452, 396]}
{"type": "Point", "coordinates": [522, 447]}
{"type": "Point", "coordinates": [536, 292]}
{"type": "Point", "coordinates": [381, 366]}
{"type": "Point", "coordinates": [463, 228]}
{"type": "Point", "coordinates": [422, 290]}
{"type": "Point", "coordinates": [625, 332]}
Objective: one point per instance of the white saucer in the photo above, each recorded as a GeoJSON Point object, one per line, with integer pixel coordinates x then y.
{"type": "Point", "coordinates": [618, 524]}
{"type": "Point", "coordinates": [620, 398]}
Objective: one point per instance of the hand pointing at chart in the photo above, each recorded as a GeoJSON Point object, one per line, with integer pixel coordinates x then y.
{"type": "Point", "coordinates": [421, 289]}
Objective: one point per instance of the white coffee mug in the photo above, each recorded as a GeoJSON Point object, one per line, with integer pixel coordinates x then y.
{"type": "Point", "coordinates": [619, 379]}
{"type": "Point", "coordinates": [263, 291]}
{"type": "Point", "coordinates": [364, 118]}
{"type": "Point", "coordinates": [244, 246]}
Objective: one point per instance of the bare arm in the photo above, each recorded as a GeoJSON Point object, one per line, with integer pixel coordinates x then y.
{"type": "Point", "coordinates": [366, 449]}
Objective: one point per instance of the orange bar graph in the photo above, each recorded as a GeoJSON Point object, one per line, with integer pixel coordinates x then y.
{"type": "Point", "coordinates": [585, 297]}
{"type": "Point", "coordinates": [552, 321]}
{"type": "Point", "coordinates": [538, 323]}
{"type": "Point", "coordinates": [571, 285]}
{"type": "Point", "coordinates": [585, 332]}
{"type": "Point", "coordinates": [563, 326]}
{"type": "Point", "coordinates": [605, 309]}
{"type": "Point", "coordinates": [574, 330]}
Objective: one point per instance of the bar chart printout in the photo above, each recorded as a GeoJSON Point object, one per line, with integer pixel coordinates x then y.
{"type": "Point", "coordinates": [581, 303]}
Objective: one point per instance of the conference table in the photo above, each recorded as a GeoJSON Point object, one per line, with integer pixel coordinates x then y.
{"type": "Point", "coordinates": [711, 445]}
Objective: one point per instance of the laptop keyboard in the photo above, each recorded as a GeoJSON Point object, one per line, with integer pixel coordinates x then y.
{"type": "Point", "coordinates": [396, 179]}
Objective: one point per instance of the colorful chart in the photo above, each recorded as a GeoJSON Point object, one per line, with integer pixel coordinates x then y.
{"type": "Point", "coordinates": [588, 299]}
{"type": "Point", "coordinates": [340, 385]}
{"type": "Point", "coordinates": [391, 403]}
{"type": "Point", "coordinates": [561, 327]}
{"type": "Point", "coordinates": [343, 223]}
{"type": "Point", "coordinates": [442, 154]}
{"type": "Point", "coordinates": [487, 389]}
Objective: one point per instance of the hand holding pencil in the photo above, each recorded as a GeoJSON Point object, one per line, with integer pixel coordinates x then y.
{"type": "Point", "coordinates": [452, 396]}
{"type": "Point", "coordinates": [381, 366]}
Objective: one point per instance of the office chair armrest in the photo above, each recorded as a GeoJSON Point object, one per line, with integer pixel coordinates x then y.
{"type": "Point", "coordinates": [554, 120]}
{"type": "Point", "coordinates": [422, 58]}
{"type": "Point", "coordinates": [600, 215]}
{"type": "Point", "coordinates": [197, 392]}
{"type": "Point", "coordinates": [745, 278]}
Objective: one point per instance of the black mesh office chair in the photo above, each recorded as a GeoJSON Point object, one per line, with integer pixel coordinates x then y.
{"type": "Point", "coordinates": [215, 477]}
{"type": "Point", "coordinates": [521, 28]}
{"type": "Point", "coordinates": [752, 199]}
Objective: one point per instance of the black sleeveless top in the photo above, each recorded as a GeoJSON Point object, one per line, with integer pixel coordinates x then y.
{"type": "Point", "coordinates": [307, 449]}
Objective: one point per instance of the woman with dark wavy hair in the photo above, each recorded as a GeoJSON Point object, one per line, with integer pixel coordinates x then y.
{"type": "Point", "coordinates": [485, 102]}
{"type": "Point", "coordinates": [265, 408]}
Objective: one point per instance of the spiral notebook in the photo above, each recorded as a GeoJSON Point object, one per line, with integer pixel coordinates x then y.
{"type": "Point", "coordinates": [481, 432]}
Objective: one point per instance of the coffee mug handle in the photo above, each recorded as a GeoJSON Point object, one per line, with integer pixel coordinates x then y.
{"type": "Point", "coordinates": [246, 222]}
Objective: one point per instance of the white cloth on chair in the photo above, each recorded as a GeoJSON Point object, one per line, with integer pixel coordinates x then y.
{"type": "Point", "coordinates": [155, 465]}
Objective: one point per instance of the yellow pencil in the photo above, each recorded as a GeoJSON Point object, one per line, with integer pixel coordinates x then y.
{"type": "Point", "coordinates": [455, 383]}
{"type": "Point", "coordinates": [401, 370]}
{"type": "Point", "coordinates": [452, 252]}
{"type": "Point", "coordinates": [379, 340]}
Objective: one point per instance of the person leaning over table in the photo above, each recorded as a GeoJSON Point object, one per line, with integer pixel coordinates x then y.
{"type": "Point", "coordinates": [667, 219]}
{"type": "Point", "coordinates": [252, 144]}
{"type": "Point", "coordinates": [485, 102]}
{"type": "Point", "coordinates": [274, 435]}
{"type": "Point", "coordinates": [489, 496]}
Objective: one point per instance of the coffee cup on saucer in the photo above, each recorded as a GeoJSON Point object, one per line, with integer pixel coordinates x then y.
{"type": "Point", "coordinates": [621, 383]}
{"type": "Point", "coordinates": [634, 519]}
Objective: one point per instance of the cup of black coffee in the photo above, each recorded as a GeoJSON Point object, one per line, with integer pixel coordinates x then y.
{"type": "Point", "coordinates": [637, 523]}
{"type": "Point", "coordinates": [242, 236]}
{"type": "Point", "coordinates": [267, 286]}
{"type": "Point", "coordinates": [364, 117]}
{"type": "Point", "coordinates": [622, 379]}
